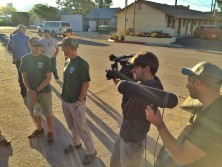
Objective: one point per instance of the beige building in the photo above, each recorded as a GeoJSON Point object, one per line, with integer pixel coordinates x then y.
{"type": "Point", "coordinates": [146, 16]}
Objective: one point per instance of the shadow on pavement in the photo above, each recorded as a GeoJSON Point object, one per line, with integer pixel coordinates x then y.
{"type": "Point", "coordinates": [105, 127]}
{"type": "Point", "coordinates": [5, 153]}
{"type": "Point", "coordinates": [105, 107]}
{"type": "Point", "coordinates": [86, 42]}
{"type": "Point", "coordinates": [55, 154]}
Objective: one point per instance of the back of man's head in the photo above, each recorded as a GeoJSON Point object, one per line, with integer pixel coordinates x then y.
{"type": "Point", "coordinates": [144, 59]}
{"type": "Point", "coordinates": [21, 28]}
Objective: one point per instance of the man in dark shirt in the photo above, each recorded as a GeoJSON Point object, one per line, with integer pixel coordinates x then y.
{"type": "Point", "coordinates": [202, 144]}
{"type": "Point", "coordinates": [129, 146]}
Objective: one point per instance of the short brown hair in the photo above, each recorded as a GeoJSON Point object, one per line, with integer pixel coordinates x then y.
{"type": "Point", "coordinates": [146, 58]}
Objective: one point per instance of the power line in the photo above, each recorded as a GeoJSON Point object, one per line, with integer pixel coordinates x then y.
{"type": "Point", "coordinates": [197, 4]}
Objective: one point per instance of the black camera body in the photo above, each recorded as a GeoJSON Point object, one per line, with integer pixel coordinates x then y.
{"type": "Point", "coordinates": [125, 72]}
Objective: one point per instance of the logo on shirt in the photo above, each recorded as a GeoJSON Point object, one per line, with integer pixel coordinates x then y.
{"type": "Point", "coordinates": [40, 64]}
{"type": "Point", "coordinates": [71, 70]}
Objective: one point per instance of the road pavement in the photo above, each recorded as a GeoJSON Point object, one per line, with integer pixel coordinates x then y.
{"type": "Point", "coordinates": [103, 103]}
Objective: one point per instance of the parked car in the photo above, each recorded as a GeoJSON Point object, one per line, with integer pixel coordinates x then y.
{"type": "Point", "coordinates": [207, 32]}
{"type": "Point", "coordinates": [55, 27]}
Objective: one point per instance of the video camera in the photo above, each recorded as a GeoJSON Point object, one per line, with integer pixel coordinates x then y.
{"type": "Point", "coordinates": [125, 72]}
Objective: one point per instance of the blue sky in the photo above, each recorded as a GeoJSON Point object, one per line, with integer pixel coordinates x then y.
{"type": "Point", "coordinates": [202, 5]}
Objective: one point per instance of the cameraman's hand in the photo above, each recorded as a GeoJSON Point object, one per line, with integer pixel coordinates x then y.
{"type": "Point", "coordinates": [154, 117]}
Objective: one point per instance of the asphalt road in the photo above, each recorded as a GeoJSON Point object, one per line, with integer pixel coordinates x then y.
{"type": "Point", "coordinates": [199, 44]}
{"type": "Point", "coordinates": [103, 102]}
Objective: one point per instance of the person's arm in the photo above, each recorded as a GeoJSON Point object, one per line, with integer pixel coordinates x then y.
{"type": "Point", "coordinates": [182, 153]}
{"type": "Point", "coordinates": [45, 82]}
{"type": "Point", "coordinates": [32, 93]}
{"type": "Point", "coordinates": [56, 52]}
{"type": "Point", "coordinates": [83, 91]}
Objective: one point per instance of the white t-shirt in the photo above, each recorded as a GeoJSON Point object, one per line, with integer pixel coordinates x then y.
{"type": "Point", "coordinates": [49, 46]}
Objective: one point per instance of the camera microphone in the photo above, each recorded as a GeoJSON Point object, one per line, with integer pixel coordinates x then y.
{"type": "Point", "coordinates": [148, 95]}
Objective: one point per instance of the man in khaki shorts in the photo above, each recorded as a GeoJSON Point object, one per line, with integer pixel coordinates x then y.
{"type": "Point", "coordinates": [36, 71]}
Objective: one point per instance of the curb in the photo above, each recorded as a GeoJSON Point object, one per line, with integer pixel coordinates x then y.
{"type": "Point", "coordinates": [148, 44]}
{"type": "Point", "coordinates": [131, 42]}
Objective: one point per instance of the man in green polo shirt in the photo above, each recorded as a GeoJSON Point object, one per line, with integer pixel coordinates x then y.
{"type": "Point", "coordinates": [75, 87]}
{"type": "Point", "coordinates": [36, 71]}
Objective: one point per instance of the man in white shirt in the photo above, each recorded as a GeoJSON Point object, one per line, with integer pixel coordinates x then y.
{"type": "Point", "coordinates": [51, 50]}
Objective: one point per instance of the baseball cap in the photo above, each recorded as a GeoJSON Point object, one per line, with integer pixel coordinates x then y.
{"type": "Point", "coordinates": [35, 41]}
{"type": "Point", "coordinates": [70, 41]}
{"type": "Point", "coordinates": [68, 30]}
{"type": "Point", "coordinates": [207, 72]}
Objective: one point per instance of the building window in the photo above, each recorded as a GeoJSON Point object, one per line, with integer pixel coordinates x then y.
{"type": "Point", "coordinates": [194, 22]}
{"type": "Point", "coordinates": [184, 22]}
{"type": "Point", "coordinates": [173, 22]}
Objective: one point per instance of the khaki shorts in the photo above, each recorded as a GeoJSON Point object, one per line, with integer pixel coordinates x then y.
{"type": "Point", "coordinates": [46, 103]}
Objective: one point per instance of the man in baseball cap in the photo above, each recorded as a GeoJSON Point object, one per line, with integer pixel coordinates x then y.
{"type": "Point", "coordinates": [207, 72]}
{"type": "Point", "coordinates": [71, 42]}
{"type": "Point", "coordinates": [199, 144]}
{"type": "Point", "coordinates": [34, 41]}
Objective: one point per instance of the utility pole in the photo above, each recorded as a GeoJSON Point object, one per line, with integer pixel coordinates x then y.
{"type": "Point", "coordinates": [212, 5]}
{"type": "Point", "coordinates": [134, 15]}
{"type": "Point", "coordinates": [125, 17]}
{"type": "Point", "coordinates": [175, 2]}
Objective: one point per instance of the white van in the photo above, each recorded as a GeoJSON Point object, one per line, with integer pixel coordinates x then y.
{"type": "Point", "coordinates": [55, 27]}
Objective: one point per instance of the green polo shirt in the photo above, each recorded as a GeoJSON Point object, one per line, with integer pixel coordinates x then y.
{"type": "Point", "coordinates": [36, 68]}
{"type": "Point", "coordinates": [76, 72]}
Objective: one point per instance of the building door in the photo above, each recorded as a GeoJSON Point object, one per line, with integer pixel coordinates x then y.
{"type": "Point", "coordinates": [179, 27]}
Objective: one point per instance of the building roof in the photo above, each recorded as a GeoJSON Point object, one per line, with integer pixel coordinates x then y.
{"type": "Point", "coordinates": [102, 13]}
{"type": "Point", "coordinates": [178, 11]}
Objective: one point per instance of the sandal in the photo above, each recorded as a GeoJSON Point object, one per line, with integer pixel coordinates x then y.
{"type": "Point", "coordinates": [5, 143]}
{"type": "Point", "coordinates": [50, 138]}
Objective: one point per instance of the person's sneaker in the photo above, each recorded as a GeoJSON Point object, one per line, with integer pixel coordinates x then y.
{"type": "Point", "coordinates": [89, 158]}
{"type": "Point", "coordinates": [50, 138]}
{"type": "Point", "coordinates": [36, 133]}
{"type": "Point", "coordinates": [58, 80]}
{"type": "Point", "coordinates": [71, 148]}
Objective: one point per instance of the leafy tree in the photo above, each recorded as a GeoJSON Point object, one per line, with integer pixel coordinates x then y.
{"type": "Point", "coordinates": [219, 3]}
{"type": "Point", "coordinates": [78, 6]}
{"type": "Point", "coordinates": [45, 12]}
{"type": "Point", "coordinates": [103, 3]}
{"type": "Point", "coordinates": [6, 10]}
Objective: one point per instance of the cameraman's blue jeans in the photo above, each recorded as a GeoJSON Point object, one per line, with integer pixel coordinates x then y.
{"type": "Point", "coordinates": [54, 70]}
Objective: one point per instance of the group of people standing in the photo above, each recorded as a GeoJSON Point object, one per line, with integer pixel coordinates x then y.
{"type": "Point", "coordinates": [35, 60]}
{"type": "Point", "coordinates": [201, 142]}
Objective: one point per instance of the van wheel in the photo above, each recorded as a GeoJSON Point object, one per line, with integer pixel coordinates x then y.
{"type": "Point", "coordinates": [39, 33]}
{"type": "Point", "coordinates": [53, 34]}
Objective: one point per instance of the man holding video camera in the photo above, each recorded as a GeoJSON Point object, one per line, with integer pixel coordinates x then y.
{"type": "Point", "coordinates": [202, 142]}
{"type": "Point", "coordinates": [129, 146]}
